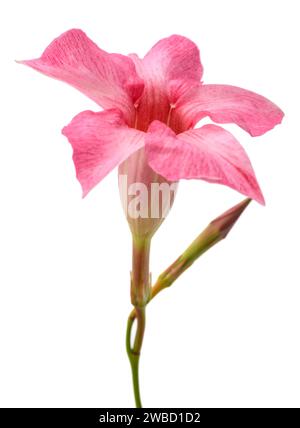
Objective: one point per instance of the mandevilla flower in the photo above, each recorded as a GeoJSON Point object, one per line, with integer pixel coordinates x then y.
{"type": "Point", "coordinates": [153, 103]}
{"type": "Point", "coordinates": [151, 107]}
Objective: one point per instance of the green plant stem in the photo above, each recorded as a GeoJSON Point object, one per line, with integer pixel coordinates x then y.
{"type": "Point", "coordinates": [140, 295]}
{"type": "Point", "coordinates": [215, 232]}
{"type": "Point", "coordinates": [142, 292]}
{"type": "Point", "coordinates": [140, 276]}
{"type": "Point", "coordinates": [134, 351]}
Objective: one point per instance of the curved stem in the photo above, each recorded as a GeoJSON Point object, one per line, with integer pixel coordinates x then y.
{"type": "Point", "coordinates": [142, 292]}
{"type": "Point", "coordinates": [135, 350]}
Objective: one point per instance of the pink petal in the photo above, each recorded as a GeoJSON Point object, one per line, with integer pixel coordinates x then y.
{"type": "Point", "coordinates": [108, 79]}
{"type": "Point", "coordinates": [172, 61]}
{"type": "Point", "coordinates": [100, 142]}
{"type": "Point", "coordinates": [174, 57]}
{"type": "Point", "coordinates": [229, 104]}
{"type": "Point", "coordinates": [209, 153]}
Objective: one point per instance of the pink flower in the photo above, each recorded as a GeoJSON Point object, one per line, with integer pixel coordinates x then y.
{"type": "Point", "coordinates": [153, 104]}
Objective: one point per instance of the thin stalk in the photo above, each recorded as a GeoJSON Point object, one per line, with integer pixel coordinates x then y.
{"type": "Point", "coordinates": [216, 231]}
{"type": "Point", "coordinates": [142, 292]}
{"type": "Point", "coordinates": [134, 351]}
{"type": "Point", "coordinates": [140, 276]}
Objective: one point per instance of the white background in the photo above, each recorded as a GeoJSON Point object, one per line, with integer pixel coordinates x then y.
{"type": "Point", "coordinates": [227, 333]}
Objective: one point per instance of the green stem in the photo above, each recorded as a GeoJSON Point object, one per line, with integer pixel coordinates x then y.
{"type": "Point", "coordinates": [140, 276]}
{"type": "Point", "coordinates": [211, 235]}
{"type": "Point", "coordinates": [134, 351]}
{"type": "Point", "coordinates": [140, 295]}
{"type": "Point", "coordinates": [142, 292]}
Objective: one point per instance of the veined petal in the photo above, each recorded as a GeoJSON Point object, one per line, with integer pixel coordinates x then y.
{"type": "Point", "coordinates": [229, 104]}
{"type": "Point", "coordinates": [100, 142]}
{"type": "Point", "coordinates": [209, 153]}
{"type": "Point", "coordinates": [172, 61]}
{"type": "Point", "coordinates": [108, 79]}
{"type": "Point", "coordinates": [174, 57]}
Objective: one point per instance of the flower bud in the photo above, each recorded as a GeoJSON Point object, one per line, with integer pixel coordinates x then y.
{"type": "Point", "coordinates": [217, 230]}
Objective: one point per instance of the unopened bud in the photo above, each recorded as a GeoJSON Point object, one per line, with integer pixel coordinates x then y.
{"type": "Point", "coordinates": [217, 230]}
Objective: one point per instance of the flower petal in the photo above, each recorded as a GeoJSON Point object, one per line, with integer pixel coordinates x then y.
{"type": "Point", "coordinates": [100, 142]}
{"type": "Point", "coordinates": [209, 153]}
{"type": "Point", "coordinates": [171, 62]}
{"type": "Point", "coordinates": [108, 79]}
{"type": "Point", "coordinates": [229, 104]}
{"type": "Point", "coordinates": [174, 57]}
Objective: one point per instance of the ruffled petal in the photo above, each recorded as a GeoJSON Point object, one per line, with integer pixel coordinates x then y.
{"type": "Point", "coordinates": [229, 104]}
{"type": "Point", "coordinates": [209, 153]}
{"type": "Point", "coordinates": [108, 79]}
{"type": "Point", "coordinates": [100, 142]}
